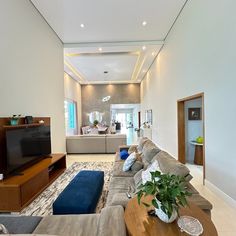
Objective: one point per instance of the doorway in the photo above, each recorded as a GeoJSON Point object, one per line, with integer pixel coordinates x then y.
{"type": "Point", "coordinates": [191, 133]}
{"type": "Point", "coordinates": [127, 115]}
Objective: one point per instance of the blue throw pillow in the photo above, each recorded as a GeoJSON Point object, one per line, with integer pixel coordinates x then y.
{"type": "Point", "coordinates": [124, 154]}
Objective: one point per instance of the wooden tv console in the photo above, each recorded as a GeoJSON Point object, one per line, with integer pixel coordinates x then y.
{"type": "Point", "coordinates": [16, 192]}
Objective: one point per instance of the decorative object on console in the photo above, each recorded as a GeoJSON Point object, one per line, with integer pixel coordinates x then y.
{"type": "Point", "coordinates": [169, 193]}
{"type": "Point", "coordinates": [194, 113]}
{"type": "Point", "coordinates": [41, 122]}
{"type": "Point", "coordinates": [14, 120]}
{"type": "Point", "coordinates": [190, 225]}
{"type": "Point", "coordinates": [95, 115]}
{"type": "Point", "coordinates": [28, 119]}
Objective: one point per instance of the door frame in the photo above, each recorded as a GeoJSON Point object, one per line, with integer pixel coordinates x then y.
{"type": "Point", "coordinates": [181, 128]}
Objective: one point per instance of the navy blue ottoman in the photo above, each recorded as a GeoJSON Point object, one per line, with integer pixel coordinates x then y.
{"type": "Point", "coordinates": [81, 195]}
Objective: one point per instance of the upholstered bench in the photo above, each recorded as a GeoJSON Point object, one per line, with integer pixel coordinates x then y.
{"type": "Point", "coordinates": [81, 195]}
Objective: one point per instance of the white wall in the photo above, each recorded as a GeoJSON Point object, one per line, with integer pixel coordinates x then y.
{"type": "Point", "coordinates": [193, 129]}
{"type": "Point", "coordinates": [72, 90]}
{"type": "Point", "coordinates": [31, 67]}
{"type": "Point", "coordinates": [199, 56]}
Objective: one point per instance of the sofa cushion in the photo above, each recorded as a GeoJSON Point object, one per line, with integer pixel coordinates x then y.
{"type": "Point", "coordinates": [170, 165]}
{"type": "Point", "coordinates": [20, 224]}
{"type": "Point", "coordinates": [111, 222]}
{"type": "Point", "coordinates": [118, 170]}
{"type": "Point", "coordinates": [149, 151]}
{"type": "Point", "coordinates": [138, 178]}
{"type": "Point", "coordinates": [119, 199]}
{"type": "Point", "coordinates": [123, 184]}
{"type": "Point", "coordinates": [129, 162]}
{"type": "Point", "coordinates": [73, 225]}
{"type": "Point", "coordinates": [138, 165]}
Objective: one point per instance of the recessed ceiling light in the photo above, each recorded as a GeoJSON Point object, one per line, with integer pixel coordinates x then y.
{"type": "Point", "coordinates": [82, 25]}
{"type": "Point", "coordinates": [144, 48]}
{"type": "Point", "coordinates": [100, 49]}
{"type": "Point", "coordinates": [144, 23]}
{"type": "Point", "coordinates": [153, 53]}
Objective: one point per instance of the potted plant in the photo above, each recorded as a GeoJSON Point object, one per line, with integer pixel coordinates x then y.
{"type": "Point", "coordinates": [14, 120]}
{"type": "Point", "coordinates": [95, 123]}
{"type": "Point", "coordinates": [169, 194]}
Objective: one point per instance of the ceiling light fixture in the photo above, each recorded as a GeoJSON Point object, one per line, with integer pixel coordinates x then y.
{"type": "Point", "coordinates": [105, 72]}
{"type": "Point", "coordinates": [153, 53]}
{"type": "Point", "coordinates": [144, 47]}
{"type": "Point", "coordinates": [82, 25]}
{"type": "Point", "coordinates": [106, 99]}
{"type": "Point", "coordinates": [144, 23]}
{"type": "Point", "coordinates": [100, 49]}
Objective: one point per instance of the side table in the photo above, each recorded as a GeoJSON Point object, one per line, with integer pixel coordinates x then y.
{"type": "Point", "coordinates": [139, 223]}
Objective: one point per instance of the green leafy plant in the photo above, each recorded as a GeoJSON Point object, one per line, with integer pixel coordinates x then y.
{"type": "Point", "coordinates": [15, 117]}
{"type": "Point", "coordinates": [95, 123]}
{"type": "Point", "coordinates": [169, 190]}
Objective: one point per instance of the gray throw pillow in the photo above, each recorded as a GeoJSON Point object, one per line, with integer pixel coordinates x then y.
{"type": "Point", "coordinates": [3, 229]}
{"type": "Point", "coordinates": [138, 165]}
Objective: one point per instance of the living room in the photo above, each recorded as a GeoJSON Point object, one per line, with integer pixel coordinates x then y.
{"type": "Point", "coordinates": [195, 56]}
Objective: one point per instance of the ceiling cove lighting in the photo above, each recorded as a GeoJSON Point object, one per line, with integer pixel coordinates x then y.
{"type": "Point", "coordinates": [82, 25]}
{"type": "Point", "coordinates": [144, 23]}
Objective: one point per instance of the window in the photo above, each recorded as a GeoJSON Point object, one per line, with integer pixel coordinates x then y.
{"type": "Point", "coordinates": [70, 117]}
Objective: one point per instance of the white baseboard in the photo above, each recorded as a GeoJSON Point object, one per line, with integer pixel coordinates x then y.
{"type": "Point", "coordinates": [220, 193]}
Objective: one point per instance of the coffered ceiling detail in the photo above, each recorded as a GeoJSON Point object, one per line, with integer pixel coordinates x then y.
{"type": "Point", "coordinates": [121, 37]}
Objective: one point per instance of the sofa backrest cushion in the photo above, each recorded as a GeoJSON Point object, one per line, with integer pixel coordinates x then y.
{"type": "Point", "coordinates": [111, 222]}
{"type": "Point", "coordinates": [142, 141]}
{"type": "Point", "coordinates": [149, 151]}
{"type": "Point", "coordinates": [169, 164]}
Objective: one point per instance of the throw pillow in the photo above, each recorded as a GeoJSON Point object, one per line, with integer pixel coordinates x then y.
{"type": "Point", "coordinates": [129, 161]}
{"type": "Point", "coordinates": [3, 229]}
{"type": "Point", "coordinates": [132, 148]}
{"type": "Point", "coordinates": [141, 143]}
{"type": "Point", "coordinates": [123, 154]}
{"type": "Point", "coordinates": [138, 165]}
{"type": "Point", "coordinates": [146, 175]}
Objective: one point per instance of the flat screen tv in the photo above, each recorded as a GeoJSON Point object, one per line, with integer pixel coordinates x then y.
{"type": "Point", "coordinates": [26, 146]}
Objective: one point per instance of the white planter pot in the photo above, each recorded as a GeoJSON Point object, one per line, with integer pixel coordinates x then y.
{"type": "Point", "coordinates": [163, 216]}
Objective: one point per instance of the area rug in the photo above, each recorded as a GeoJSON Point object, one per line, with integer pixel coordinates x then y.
{"type": "Point", "coordinates": [42, 205]}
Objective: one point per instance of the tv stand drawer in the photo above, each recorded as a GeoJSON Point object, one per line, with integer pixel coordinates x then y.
{"type": "Point", "coordinates": [33, 187]}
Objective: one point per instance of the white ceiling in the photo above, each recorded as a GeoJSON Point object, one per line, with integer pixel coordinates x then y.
{"type": "Point", "coordinates": [114, 25]}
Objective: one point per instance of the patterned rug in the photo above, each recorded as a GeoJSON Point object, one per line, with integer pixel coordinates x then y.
{"type": "Point", "coordinates": [42, 205]}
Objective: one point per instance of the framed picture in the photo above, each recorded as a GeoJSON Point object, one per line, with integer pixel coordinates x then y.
{"type": "Point", "coordinates": [148, 114]}
{"type": "Point", "coordinates": [194, 113]}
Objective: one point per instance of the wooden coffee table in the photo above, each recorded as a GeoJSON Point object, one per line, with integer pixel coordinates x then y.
{"type": "Point", "coordinates": [138, 222]}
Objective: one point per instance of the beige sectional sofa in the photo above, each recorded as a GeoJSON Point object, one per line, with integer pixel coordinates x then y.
{"type": "Point", "coordinates": [123, 182]}
{"type": "Point", "coordinates": [110, 222]}
{"type": "Point", "coordinates": [94, 143]}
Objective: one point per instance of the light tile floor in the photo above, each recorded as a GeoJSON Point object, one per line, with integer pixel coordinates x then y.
{"type": "Point", "coordinates": [223, 215]}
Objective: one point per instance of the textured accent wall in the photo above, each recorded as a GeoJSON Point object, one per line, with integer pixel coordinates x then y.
{"type": "Point", "coordinates": [120, 94]}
